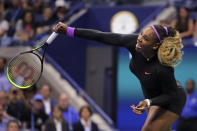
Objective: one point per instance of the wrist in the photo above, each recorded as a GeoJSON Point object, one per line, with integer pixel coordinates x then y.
{"type": "Point", "coordinates": [148, 102]}
{"type": "Point", "coordinates": [70, 31]}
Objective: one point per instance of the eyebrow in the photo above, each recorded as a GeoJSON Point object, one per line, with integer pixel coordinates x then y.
{"type": "Point", "coordinates": [146, 37]}
{"type": "Point", "coordinates": [142, 32]}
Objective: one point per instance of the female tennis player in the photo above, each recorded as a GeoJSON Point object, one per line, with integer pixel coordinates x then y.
{"type": "Point", "coordinates": [155, 52]}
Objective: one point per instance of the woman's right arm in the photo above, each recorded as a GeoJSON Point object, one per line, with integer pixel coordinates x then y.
{"type": "Point", "coordinates": [128, 41]}
{"type": "Point", "coordinates": [107, 37]}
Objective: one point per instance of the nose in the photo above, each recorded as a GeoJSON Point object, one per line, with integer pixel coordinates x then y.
{"type": "Point", "coordinates": [139, 40]}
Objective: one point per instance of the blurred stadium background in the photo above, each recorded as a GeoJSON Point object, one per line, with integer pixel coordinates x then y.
{"type": "Point", "coordinates": [89, 73]}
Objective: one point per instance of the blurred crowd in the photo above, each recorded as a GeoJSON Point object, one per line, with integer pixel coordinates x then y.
{"type": "Point", "coordinates": [185, 22]}
{"type": "Point", "coordinates": [34, 109]}
{"type": "Point", "coordinates": [21, 20]}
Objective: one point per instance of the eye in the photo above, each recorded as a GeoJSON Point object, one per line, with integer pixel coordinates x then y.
{"type": "Point", "coordinates": [145, 38]}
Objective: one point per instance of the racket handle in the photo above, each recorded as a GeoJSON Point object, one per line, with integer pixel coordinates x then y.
{"type": "Point", "coordinates": [51, 38]}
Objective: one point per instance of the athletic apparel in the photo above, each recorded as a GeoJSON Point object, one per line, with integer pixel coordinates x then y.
{"type": "Point", "coordinates": [190, 109]}
{"type": "Point", "coordinates": [157, 81]}
{"type": "Point", "coordinates": [188, 119]}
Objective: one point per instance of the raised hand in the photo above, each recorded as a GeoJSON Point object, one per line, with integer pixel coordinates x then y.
{"type": "Point", "coordinates": [60, 28]}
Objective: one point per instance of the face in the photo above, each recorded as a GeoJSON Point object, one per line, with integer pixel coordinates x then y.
{"type": "Point", "coordinates": [57, 113]}
{"type": "Point", "coordinates": [45, 91]}
{"type": "Point", "coordinates": [189, 86]}
{"type": "Point", "coordinates": [3, 99]}
{"type": "Point", "coordinates": [2, 64]}
{"type": "Point", "coordinates": [28, 17]}
{"type": "Point", "coordinates": [37, 105]}
{"type": "Point", "coordinates": [1, 112]}
{"type": "Point", "coordinates": [61, 12]}
{"type": "Point", "coordinates": [47, 13]}
{"type": "Point", "coordinates": [85, 114]}
{"type": "Point", "coordinates": [15, 2]}
{"type": "Point", "coordinates": [63, 101]}
{"type": "Point", "coordinates": [145, 41]}
{"type": "Point", "coordinates": [13, 127]}
{"type": "Point", "coordinates": [183, 13]}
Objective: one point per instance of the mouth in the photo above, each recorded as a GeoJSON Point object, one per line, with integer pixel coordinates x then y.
{"type": "Point", "coordinates": [138, 46]}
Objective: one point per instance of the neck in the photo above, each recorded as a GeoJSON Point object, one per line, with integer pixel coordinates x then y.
{"type": "Point", "coordinates": [190, 93]}
{"type": "Point", "coordinates": [149, 55]}
{"type": "Point", "coordinates": [35, 110]}
{"type": "Point", "coordinates": [57, 118]}
{"type": "Point", "coordinates": [86, 120]}
{"type": "Point", "coordinates": [46, 98]}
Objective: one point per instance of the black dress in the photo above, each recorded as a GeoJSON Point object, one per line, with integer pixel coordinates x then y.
{"type": "Point", "coordinates": [79, 127]}
{"type": "Point", "coordinates": [50, 126]}
{"type": "Point", "coordinates": [157, 81]}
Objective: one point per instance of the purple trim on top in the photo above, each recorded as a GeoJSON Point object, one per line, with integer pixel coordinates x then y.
{"type": "Point", "coordinates": [70, 31]}
{"type": "Point", "coordinates": [156, 33]}
{"type": "Point", "coordinates": [166, 30]}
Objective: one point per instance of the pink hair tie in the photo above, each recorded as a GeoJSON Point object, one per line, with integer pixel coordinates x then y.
{"type": "Point", "coordinates": [156, 33]}
{"type": "Point", "coordinates": [166, 30]}
{"type": "Point", "coordinates": [70, 31]}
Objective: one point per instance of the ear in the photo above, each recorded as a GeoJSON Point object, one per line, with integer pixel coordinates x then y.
{"type": "Point", "coordinates": [156, 46]}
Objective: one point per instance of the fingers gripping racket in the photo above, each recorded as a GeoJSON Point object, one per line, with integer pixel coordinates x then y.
{"type": "Point", "coordinates": [24, 70]}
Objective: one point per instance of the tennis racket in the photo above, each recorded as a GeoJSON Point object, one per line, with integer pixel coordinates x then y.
{"type": "Point", "coordinates": [25, 69]}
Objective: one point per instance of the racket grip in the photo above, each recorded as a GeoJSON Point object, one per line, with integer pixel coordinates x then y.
{"type": "Point", "coordinates": [51, 38]}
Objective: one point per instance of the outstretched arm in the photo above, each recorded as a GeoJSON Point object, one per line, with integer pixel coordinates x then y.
{"type": "Point", "coordinates": [128, 41]}
{"type": "Point", "coordinates": [107, 37]}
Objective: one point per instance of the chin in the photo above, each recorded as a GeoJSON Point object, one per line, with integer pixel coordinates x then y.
{"type": "Point", "coordinates": [138, 50]}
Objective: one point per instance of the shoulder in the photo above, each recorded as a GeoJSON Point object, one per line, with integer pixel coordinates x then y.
{"type": "Point", "coordinates": [4, 22]}
{"type": "Point", "coordinates": [94, 126]}
{"type": "Point", "coordinates": [195, 94]}
{"type": "Point", "coordinates": [77, 124]}
{"type": "Point", "coordinates": [174, 22]}
{"type": "Point", "coordinates": [19, 22]}
{"type": "Point", "coordinates": [131, 41]}
{"type": "Point", "coordinates": [49, 122]}
{"type": "Point", "coordinates": [65, 124]}
{"type": "Point", "coordinates": [191, 20]}
{"type": "Point", "coordinates": [164, 70]}
{"type": "Point", "coordinates": [43, 114]}
{"type": "Point", "coordinates": [133, 37]}
{"type": "Point", "coordinates": [49, 125]}
{"type": "Point", "coordinates": [72, 109]}
{"type": "Point", "coordinates": [53, 102]}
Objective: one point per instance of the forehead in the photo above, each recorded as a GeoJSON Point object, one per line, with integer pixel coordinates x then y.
{"type": "Point", "coordinates": [148, 31]}
{"type": "Point", "coordinates": [189, 82]}
{"type": "Point", "coordinates": [13, 124]}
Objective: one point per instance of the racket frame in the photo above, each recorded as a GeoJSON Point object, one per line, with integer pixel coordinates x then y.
{"type": "Point", "coordinates": [45, 45]}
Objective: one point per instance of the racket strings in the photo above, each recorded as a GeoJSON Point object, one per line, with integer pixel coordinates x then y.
{"type": "Point", "coordinates": [25, 69]}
